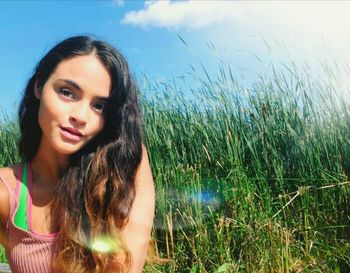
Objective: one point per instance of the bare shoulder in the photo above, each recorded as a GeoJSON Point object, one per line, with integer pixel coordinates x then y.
{"type": "Point", "coordinates": [143, 207]}
{"type": "Point", "coordinates": [137, 232]}
{"type": "Point", "coordinates": [145, 193]}
{"type": "Point", "coordinates": [144, 179]}
{"type": "Point", "coordinates": [8, 175]}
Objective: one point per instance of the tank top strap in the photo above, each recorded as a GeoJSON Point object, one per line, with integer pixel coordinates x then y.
{"type": "Point", "coordinates": [20, 219]}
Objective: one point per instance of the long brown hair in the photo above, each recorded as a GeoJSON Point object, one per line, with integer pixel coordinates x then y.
{"type": "Point", "coordinates": [97, 190]}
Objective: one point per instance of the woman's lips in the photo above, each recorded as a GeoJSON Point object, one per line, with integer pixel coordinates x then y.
{"type": "Point", "coordinates": [70, 135]}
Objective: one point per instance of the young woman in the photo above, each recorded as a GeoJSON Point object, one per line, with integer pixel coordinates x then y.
{"type": "Point", "coordinates": [83, 198]}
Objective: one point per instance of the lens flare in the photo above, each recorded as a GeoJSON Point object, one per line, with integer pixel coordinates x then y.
{"type": "Point", "coordinates": [105, 244]}
{"type": "Point", "coordinates": [205, 198]}
{"type": "Point", "coordinates": [187, 208]}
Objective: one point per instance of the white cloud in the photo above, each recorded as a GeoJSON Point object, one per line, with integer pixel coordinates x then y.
{"type": "Point", "coordinates": [308, 30]}
{"type": "Point", "coordinates": [120, 3]}
{"type": "Point", "coordinates": [321, 17]}
{"type": "Point", "coordinates": [178, 14]}
{"type": "Point", "coordinates": [307, 23]}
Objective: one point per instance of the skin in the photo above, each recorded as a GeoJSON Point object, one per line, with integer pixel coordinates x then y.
{"type": "Point", "coordinates": [64, 105]}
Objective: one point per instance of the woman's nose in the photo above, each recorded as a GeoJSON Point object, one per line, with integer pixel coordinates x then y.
{"type": "Point", "coordinates": [80, 113]}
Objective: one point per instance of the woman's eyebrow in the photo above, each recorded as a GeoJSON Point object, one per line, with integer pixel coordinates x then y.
{"type": "Point", "coordinates": [77, 86]}
{"type": "Point", "coordinates": [70, 82]}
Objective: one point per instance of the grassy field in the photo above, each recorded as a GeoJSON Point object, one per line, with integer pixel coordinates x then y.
{"type": "Point", "coordinates": [248, 180]}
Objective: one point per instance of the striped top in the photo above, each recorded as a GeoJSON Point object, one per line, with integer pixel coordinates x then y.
{"type": "Point", "coordinates": [26, 251]}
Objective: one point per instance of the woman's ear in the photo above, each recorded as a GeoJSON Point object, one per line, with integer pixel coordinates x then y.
{"type": "Point", "coordinates": [37, 90]}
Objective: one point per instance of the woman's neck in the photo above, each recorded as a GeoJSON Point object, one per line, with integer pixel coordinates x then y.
{"type": "Point", "coordinates": [48, 166]}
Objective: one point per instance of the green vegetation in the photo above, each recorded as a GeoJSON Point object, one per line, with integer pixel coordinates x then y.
{"type": "Point", "coordinates": [248, 180]}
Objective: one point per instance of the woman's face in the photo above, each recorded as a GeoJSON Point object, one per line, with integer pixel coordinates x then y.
{"type": "Point", "coordinates": [71, 103]}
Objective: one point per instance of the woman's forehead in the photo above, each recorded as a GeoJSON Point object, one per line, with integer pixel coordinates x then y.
{"type": "Point", "coordinates": [87, 72]}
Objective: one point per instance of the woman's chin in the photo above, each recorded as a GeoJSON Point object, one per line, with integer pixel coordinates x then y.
{"type": "Point", "coordinates": [67, 148]}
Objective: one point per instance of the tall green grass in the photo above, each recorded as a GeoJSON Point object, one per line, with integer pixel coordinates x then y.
{"type": "Point", "coordinates": [248, 179]}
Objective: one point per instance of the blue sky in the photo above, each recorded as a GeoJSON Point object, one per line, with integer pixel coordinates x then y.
{"type": "Point", "coordinates": [147, 34]}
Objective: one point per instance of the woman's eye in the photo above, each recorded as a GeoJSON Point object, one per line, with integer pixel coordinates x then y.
{"type": "Point", "coordinates": [100, 106]}
{"type": "Point", "coordinates": [66, 92]}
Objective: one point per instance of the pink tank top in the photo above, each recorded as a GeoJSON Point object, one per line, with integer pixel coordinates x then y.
{"type": "Point", "coordinates": [26, 251]}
